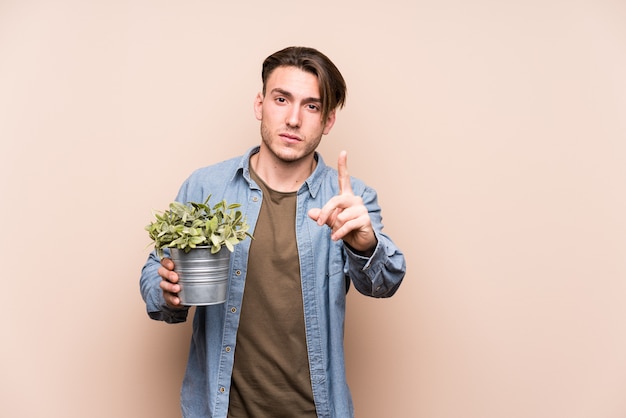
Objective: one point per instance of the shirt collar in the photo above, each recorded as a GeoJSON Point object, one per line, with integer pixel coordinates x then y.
{"type": "Point", "coordinates": [313, 183]}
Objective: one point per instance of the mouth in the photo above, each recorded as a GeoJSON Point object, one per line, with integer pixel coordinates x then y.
{"type": "Point", "coordinates": [290, 137]}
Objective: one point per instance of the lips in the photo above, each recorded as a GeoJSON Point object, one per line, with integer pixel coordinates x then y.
{"type": "Point", "coordinates": [290, 137]}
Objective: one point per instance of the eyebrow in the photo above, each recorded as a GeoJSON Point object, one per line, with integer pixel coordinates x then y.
{"type": "Point", "coordinates": [290, 96]}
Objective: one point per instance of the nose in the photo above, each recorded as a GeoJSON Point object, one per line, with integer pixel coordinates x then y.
{"type": "Point", "coordinates": [293, 117]}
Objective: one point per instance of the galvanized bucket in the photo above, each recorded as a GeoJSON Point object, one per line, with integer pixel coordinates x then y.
{"type": "Point", "coordinates": [203, 277]}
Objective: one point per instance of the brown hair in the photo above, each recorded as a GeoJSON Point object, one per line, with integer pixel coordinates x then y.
{"type": "Point", "coordinates": [331, 82]}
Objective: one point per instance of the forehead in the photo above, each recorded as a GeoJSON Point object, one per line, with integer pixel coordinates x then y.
{"type": "Point", "coordinates": [293, 80]}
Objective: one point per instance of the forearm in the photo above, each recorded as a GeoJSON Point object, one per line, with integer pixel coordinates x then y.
{"type": "Point", "coordinates": [378, 275]}
{"type": "Point", "coordinates": [152, 294]}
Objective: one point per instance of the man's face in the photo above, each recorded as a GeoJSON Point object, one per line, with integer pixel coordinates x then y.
{"type": "Point", "coordinates": [290, 114]}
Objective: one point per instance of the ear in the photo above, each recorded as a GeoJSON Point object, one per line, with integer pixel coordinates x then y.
{"type": "Point", "coordinates": [258, 106]}
{"type": "Point", "coordinates": [330, 121]}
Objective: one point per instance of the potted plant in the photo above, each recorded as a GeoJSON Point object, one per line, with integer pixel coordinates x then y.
{"type": "Point", "coordinates": [200, 239]}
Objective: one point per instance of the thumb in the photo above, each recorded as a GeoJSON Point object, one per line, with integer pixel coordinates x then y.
{"type": "Point", "coordinates": [314, 213]}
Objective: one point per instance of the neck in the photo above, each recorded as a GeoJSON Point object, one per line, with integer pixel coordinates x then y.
{"type": "Point", "coordinates": [280, 175]}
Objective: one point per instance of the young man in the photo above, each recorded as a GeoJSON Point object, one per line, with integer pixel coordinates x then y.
{"type": "Point", "coordinates": [275, 348]}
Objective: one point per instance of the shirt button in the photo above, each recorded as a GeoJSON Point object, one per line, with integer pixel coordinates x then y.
{"type": "Point", "coordinates": [233, 309]}
{"type": "Point", "coordinates": [222, 389]}
{"type": "Point", "coordinates": [238, 272]}
{"type": "Point", "coordinates": [227, 349]}
{"type": "Point", "coordinates": [255, 198]}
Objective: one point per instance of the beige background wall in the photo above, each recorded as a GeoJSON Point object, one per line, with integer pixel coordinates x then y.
{"type": "Point", "coordinates": [494, 132]}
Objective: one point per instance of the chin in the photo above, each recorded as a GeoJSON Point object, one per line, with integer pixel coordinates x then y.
{"type": "Point", "coordinates": [289, 157]}
{"type": "Point", "coordinates": [288, 153]}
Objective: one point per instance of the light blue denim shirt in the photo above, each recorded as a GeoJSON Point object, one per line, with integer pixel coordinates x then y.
{"type": "Point", "coordinates": [324, 266]}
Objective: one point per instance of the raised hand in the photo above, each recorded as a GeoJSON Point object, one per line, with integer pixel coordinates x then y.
{"type": "Point", "coordinates": [345, 214]}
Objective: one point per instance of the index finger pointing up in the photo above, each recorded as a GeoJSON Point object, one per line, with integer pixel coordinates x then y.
{"type": "Point", "coordinates": [344, 178]}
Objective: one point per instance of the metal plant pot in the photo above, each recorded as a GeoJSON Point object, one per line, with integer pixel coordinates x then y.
{"type": "Point", "coordinates": [203, 277]}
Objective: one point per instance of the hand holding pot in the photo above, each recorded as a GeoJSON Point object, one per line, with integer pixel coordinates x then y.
{"type": "Point", "coordinates": [169, 283]}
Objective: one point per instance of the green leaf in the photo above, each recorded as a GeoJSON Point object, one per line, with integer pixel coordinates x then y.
{"type": "Point", "coordinates": [196, 240]}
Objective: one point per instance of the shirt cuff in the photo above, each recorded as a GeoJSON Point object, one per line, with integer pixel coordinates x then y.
{"type": "Point", "coordinates": [170, 315]}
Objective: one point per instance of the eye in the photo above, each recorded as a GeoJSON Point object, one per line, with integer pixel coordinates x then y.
{"type": "Point", "coordinates": [312, 107]}
{"type": "Point", "coordinates": [281, 100]}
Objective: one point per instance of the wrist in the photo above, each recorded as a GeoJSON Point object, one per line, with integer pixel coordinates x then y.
{"type": "Point", "coordinates": [363, 253]}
